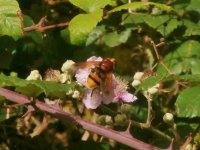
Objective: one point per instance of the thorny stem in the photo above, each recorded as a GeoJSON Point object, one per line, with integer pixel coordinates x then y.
{"type": "Point", "coordinates": [69, 118]}
{"type": "Point", "coordinates": [107, 110]}
{"type": "Point", "coordinates": [162, 63]}
{"type": "Point", "coordinates": [159, 59]}
{"type": "Point", "coordinates": [40, 26]}
{"type": "Point", "coordinates": [149, 115]}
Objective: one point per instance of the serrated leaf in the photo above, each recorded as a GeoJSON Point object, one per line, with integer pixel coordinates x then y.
{"type": "Point", "coordinates": [10, 23]}
{"type": "Point", "coordinates": [194, 5]}
{"type": "Point", "coordinates": [186, 58]}
{"type": "Point", "coordinates": [95, 35]}
{"type": "Point", "coordinates": [163, 23]}
{"type": "Point", "coordinates": [188, 103]}
{"type": "Point", "coordinates": [90, 5]}
{"type": "Point", "coordinates": [189, 78]}
{"type": "Point", "coordinates": [36, 87]}
{"type": "Point", "coordinates": [81, 25]}
{"type": "Point", "coordinates": [141, 5]}
{"type": "Point", "coordinates": [115, 39]}
{"type": "Point", "coordinates": [151, 81]}
{"type": "Point", "coordinates": [191, 28]}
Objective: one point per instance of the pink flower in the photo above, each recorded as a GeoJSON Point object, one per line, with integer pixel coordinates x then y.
{"type": "Point", "coordinates": [93, 98]}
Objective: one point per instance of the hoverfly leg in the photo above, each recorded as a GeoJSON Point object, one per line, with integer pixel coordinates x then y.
{"type": "Point", "coordinates": [93, 91]}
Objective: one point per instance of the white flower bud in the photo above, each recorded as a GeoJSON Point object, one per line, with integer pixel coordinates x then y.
{"type": "Point", "coordinates": [152, 90]}
{"type": "Point", "coordinates": [135, 83]}
{"type": "Point", "coordinates": [138, 75]}
{"type": "Point", "coordinates": [189, 147]}
{"type": "Point", "coordinates": [68, 66]}
{"type": "Point", "coordinates": [76, 94]}
{"type": "Point", "coordinates": [63, 77]}
{"type": "Point", "coordinates": [70, 92]}
{"type": "Point", "coordinates": [168, 118]}
{"type": "Point", "coordinates": [34, 75]}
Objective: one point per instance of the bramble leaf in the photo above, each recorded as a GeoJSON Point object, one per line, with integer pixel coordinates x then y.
{"type": "Point", "coordinates": [186, 58]}
{"type": "Point", "coordinates": [81, 25]}
{"type": "Point", "coordinates": [141, 5]}
{"type": "Point", "coordinates": [90, 5]}
{"type": "Point", "coordinates": [34, 88]}
{"type": "Point", "coordinates": [188, 102]}
{"type": "Point", "coordinates": [10, 23]}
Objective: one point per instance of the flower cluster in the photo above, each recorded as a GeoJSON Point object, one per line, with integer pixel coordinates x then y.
{"type": "Point", "coordinates": [92, 97]}
{"type": "Point", "coordinates": [95, 97]}
{"type": "Point", "coordinates": [137, 80]}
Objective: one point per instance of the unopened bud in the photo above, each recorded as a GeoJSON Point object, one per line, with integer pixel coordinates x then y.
{"type": "Point", "coordinates": [138, 75]}
{"type": "Point", "coordinates": [68, 66]}
{"type": "Point", "coordinates": [34, 75]}
{"type": "Point", "coordinates": [189, 147]}
{"type": "Point", "coordinates": [76, 94]}
{"type": "Point", "coordinates": [135, 83]}
{"type": "Point", "coordinates": [126, 108]}
{"type": "Point", "coordinates": [101, 120]}
{"type": "Point", "coordinates": [152, 90]}
{"type": "Point", "coordinates": [121, 119]}
{"type": "Point", "coordinates": [168, 118]}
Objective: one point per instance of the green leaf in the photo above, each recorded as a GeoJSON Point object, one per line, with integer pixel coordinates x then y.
{"type": "Point", "coordinates": [36, 87]}
{"type": "Point", "coordinates": [9, 21]}
{"type": "Point", "coordinates": [186, 58]}
{"type": "Point", "coordinates": [189, 78]}
{"type": "Point", "coordinates": [81, 25]}
{"type": "Point", "coordinates": [114, 39]}
{"type": "Point", "coordinates": [188, 103]}
{"type": "Point", "coordinates": [163, 24]}
{"type": "Point", "coordinates": [141, 5]}
{"type": "Point", "coordinates": [90, 5]}
{"type": "Point", "coordinates": [151, 81]}
{"type": "Point", "coordinates": [194, 5]}
{"type": "Point", "coordinates": [191, 28]}
{"type": "Point", "coordinates": [95, 35]}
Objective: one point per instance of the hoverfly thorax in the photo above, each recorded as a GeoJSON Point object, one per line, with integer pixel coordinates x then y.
{"type": "Point", "coordinates": [107, 64]}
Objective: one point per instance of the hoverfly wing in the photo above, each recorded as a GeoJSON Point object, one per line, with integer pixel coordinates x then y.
{"type": "Point", "coordinates": [88, 64]}
{"type": "Point", "coordinates": [107, 83]}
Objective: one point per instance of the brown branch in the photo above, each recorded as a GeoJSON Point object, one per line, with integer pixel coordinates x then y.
{"type": "Point", "coordinates": [40, 26]}
{"type": "Point", "coordinates": [69, 118]}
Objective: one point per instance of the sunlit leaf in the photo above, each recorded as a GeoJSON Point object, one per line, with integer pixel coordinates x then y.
{"type": "Point", "coordinates": [10, 23]}
{"type": "Point", "coordinates": [141, 5]}
{"type": "Point", "coordinates": [95, 35]}
{"type": "Point", "coordinates": [90, 5]}
{"type": "Point", "coordinates": [81, 25]}
{"type": "Point", "coordinates": [36, 87]}
{"type": "Point", "coordinates": [191, 28]}
{"type": "Point", "coordinates": [194, 5]}
{"type": "Point", "coordinates": [188, 103]}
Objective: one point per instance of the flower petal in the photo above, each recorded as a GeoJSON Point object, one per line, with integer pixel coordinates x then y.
{"type": "Point", "coordinates": [94, 58]}
{"type": "Point", "coordinates": [82, 75]}
{"type": "Point", "coordinates": [92, 98]}
{"type": "Point", "coordinates": [125, 97]}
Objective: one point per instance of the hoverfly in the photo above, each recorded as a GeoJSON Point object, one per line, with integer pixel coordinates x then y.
{"type": "Point", "coordinates": [100, 75]}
